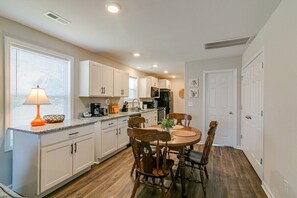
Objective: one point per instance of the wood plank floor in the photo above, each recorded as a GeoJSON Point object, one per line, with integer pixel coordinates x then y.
{"type": "Point", "coordinates": [230, 175]}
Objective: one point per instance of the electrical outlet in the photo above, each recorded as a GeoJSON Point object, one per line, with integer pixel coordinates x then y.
{"type": "Point", "coordinates": [190, 104]}
{"type": "Point", "coordinates": [286, 187]}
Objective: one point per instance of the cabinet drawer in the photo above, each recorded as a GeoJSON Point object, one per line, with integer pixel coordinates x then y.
{"type": "Point", "coordinates": [123, 121]}
{"type": "Point", "coordinates": [63, 135]}
{"type": "Point", "coordinates": [109, 123]}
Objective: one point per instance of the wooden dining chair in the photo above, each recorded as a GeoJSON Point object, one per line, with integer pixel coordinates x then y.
{"type": "Point", "coordinates": [148, 165]}
{"type": "Point", "coordinates": [199, 160]}
{"type": "Point", "coordinates": [180, 118]}
{"type": "Point", "coordinates": [135, 122]}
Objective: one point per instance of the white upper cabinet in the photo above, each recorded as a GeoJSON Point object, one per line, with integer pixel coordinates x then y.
{"type": "Point", "coordinates": [95, 79]}
{"type": "Point", "coordinates": [121, 83]}
{"type": "Point", "coordinates": [164, 84]}
{"type": "Point", "coordinates": [145, 85]}
{"type": "Point", "coordinates": [154, 81]}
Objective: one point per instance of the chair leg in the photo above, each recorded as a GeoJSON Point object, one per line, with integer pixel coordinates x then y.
{"type": "Point", "coordinates": [173, 179]}
{"type": "Point", "coordinates": [136, 185]}
{"type": "Point", "coordinates": [206, 172]}
{"type": "Point", "coordinates": [202, 179]}
{"type": "Point", "coordinates": [162, 187]}
{"type": "Point", "coordinates": [133, 167]}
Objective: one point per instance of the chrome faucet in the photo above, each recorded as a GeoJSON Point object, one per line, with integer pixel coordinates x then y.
{"type": "Point", "coordinates": [138, 103]}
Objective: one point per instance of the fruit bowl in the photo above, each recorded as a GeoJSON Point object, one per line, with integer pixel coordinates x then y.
{"type": "Point", "coordinates": [54, 118]}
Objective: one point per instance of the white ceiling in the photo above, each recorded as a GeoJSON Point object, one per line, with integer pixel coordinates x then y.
{"type": "Point", "coordinates": [165, 32]}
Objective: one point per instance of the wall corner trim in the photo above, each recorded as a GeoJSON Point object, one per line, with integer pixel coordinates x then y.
{"type": "Point", "coordinates": [267, 190]}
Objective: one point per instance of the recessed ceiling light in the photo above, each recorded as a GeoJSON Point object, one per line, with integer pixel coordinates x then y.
{"type": "Point", "coordinates": [113, 8]}
{"type": "Point", "coordinates": [166, 72]}
{"type": "Point", "coordinates": [173, 76]}
{"type": "Point", "coordinates": [136, 54]}
{"type": "Point", "coordinates": [155, 66]}
{"type": "Point", "coordinates": [138, 67]}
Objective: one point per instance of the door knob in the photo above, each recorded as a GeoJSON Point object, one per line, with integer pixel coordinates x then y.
{"type": "Point", "coordinates": [248, 117]}
{"type": "Point", "coordinates": [230, 113]}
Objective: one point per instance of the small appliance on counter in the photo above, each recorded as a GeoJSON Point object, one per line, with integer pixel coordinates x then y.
{"type": "Point", "coordinates": [104, 111]}
{"type": "Point", "coordinates": [114, 108]}
{"type": "Point", "coordinates": [95, 109]}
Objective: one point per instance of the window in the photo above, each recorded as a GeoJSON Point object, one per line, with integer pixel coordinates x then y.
{"type": "Point", "coordinates": [132, 88]}
{"type": "Point", "coordinates": [25, 68]}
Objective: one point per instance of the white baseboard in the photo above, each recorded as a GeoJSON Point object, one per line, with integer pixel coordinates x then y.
{"type": "Point", "coordinates": [267, 190]}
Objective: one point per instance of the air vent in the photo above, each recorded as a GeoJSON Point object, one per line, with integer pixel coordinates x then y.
{"type": "Point", "coordinates": [229, 43]}
{"type": "Point", "coordinates": [57, 18]}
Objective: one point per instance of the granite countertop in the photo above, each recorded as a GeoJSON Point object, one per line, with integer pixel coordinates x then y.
{"type": "Point", "coordinates": [71, 123]}
{"type": "Point", "coordinates": [50, 128]}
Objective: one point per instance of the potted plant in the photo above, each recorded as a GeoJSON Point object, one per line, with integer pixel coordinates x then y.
{"type": "Point", "coordinates": [167, 124]}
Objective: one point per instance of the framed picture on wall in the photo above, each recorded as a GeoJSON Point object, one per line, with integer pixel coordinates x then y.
{"type": "Point", "coordinates": [193, 93]}
{"type": "Point", "coordinates": [194, 82]}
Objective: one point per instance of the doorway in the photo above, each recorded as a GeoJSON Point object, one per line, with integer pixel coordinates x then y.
{"type": "Point", "coordinates": [220, 103]}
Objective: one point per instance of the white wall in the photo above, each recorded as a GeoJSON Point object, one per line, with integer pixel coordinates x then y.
{"type": "Point", "coordinates": [195, 69]}
{"type": "Point", "coordinates": [178, 103]}
{"type": "Point", "coordinates": [21, 32]}
{"type": "Point", "coordinates": [279, 39]}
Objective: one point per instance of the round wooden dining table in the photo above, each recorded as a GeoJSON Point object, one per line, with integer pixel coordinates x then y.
{"type": "Point", "coordinates": [182, 136]}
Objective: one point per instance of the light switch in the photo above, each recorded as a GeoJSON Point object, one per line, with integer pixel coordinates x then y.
{"type": "Point", "coordinates": [190, 104]}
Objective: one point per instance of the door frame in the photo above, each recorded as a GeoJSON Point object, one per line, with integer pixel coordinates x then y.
{"type": "Point", "coordinates": [235, 99]}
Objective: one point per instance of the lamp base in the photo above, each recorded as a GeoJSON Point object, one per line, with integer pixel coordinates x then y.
{"type": "Point", "coordinates": [38, 121]}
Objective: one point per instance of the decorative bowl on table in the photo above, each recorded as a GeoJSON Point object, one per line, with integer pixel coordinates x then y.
{"type": "Point", "coordinates": [54, 118]}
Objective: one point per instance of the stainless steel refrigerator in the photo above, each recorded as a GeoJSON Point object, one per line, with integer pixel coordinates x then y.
{"type": "Point", "coordinates": [166, 100]}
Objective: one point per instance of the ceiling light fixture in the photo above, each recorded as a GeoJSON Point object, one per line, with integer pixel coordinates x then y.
{"type": "Point", "coordinates": [138, 67]}
{"type": "Point", "coordinates": [113, 8]}
{"type": "Point", "coordinates": [136, 54]}
{"type": "Point", "coordinates": [173, 76]}
{"type": "Point", "coordinates": [155, 66]}
{"type": "Point", "coordinates": [166, 72]}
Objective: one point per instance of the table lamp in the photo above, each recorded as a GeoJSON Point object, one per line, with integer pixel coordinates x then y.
{"type": "Point", "coordinates": [37, 97]}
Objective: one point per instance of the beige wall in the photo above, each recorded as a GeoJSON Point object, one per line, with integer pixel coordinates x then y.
{"type": "Point", "coordinates": [278, 38]}
{"type": "Point", "coordinates": [195, 69]}
{"type": "Point", "coordinates": [21, 32]}
{"type": "Point", "coordinates": [178, 103]}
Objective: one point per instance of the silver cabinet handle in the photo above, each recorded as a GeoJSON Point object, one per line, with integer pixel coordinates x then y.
{"type": "Point", "coordinates": [75, 133]}
{"type": "Point", "coordinates": [230, 113]}
{"type": "Point", "coordinates": [71, 149]}
{"type": "Point", "coordinates": [248, 117]}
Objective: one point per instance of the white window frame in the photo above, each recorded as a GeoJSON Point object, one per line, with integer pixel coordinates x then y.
{"type": "Point", "coordinates": [137, 86]}
{"type": "Point", "coordinates": [9, 42]}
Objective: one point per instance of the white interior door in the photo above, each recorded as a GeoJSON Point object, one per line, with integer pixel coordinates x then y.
{"type": "Point", "coordinates": [252, 113]}
{"type": "Point", "coordinates": [220, 106]}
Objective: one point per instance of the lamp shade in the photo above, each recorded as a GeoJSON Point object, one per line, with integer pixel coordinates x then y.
{"type": "Point", "coordinates": [37, 96]}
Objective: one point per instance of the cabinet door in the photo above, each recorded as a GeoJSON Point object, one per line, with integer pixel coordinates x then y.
{"type": "Point", "coordinates": [56, 164]}
{"type": "Point", "coordinates": [83, 155]}
{"type": "Point", "coordinates": [125, 84]}
{"type": "Point", "coordinates": [121, 83]}
{"type": "Point", "coordinates": [96, 88]}
{"type": "Point", "coordinates": [123, 138]}
{"type": "Point", "coordinates": [109, 140]}
{"type": "Point", "coordinates": [107, 80]}
{"type": "Point", "coordinates": [154, 118]}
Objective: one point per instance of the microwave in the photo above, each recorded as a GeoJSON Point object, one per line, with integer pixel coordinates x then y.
{"type": "Point", "coordinates": [155, 92]}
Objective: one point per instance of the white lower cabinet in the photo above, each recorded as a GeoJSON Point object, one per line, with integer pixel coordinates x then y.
{"type": "Point", "coordinates": [56, 164]}
{"type": "Point", "coordinates": [114, 135]}
{"type": "Point", "coordinates": [151, 118]}
{"type": "Point", "coordinates": [41, 163]}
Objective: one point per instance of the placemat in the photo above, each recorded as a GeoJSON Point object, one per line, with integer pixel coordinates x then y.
{"type": "Point", "coordinates": [182, 133]}
{"type": "Point", "coordinates": [178, 127]}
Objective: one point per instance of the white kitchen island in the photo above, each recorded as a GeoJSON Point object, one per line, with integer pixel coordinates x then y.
{"type": "Point", "coordinates": [47, 157]}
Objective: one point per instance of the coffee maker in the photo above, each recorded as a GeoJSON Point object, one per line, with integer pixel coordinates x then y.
{"type": "Point", "coordinates": [95, 109]}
